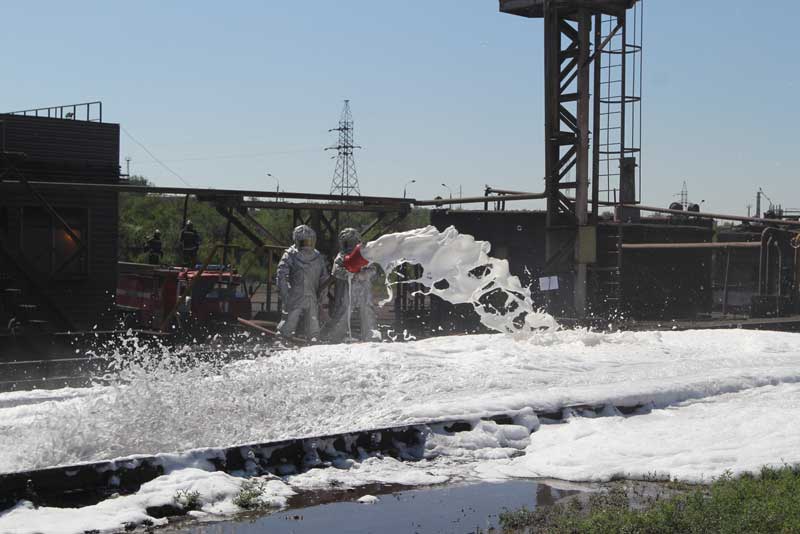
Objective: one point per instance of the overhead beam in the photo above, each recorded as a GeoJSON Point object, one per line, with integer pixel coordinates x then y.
{"type": "Point", "coordinates": [126, 188]}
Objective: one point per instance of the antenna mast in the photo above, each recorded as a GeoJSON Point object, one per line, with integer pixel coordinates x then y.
{"type": "Point", "coordinates": [345, 178]}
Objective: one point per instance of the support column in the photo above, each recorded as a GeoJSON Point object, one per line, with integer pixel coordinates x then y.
{"type": "Point", "coordinates": [552, 46]}
{"type": "Point", "coordinates": [583, 241]}
{"type": "Point", "coordinates": [596, 118]}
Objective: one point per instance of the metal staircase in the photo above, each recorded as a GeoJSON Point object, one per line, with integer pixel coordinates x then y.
{"type": "Point", "coordinates": [608, 271]}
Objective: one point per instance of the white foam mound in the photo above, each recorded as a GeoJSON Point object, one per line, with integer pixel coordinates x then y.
{"type": "Point", "coordinates": [693, 441]}
{"type": "Point", "coordinates": [214, 493]}
{"type": "Point", "coordinates": [458, 269]}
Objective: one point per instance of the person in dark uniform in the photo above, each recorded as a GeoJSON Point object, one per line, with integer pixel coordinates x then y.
{"type": "Point", "coordinates": [154, 249]}
{"type": "Point", "coordinates": [190, 244]}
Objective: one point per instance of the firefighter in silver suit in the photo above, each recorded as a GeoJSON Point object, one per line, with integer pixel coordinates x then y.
{"type": "Point", "coordinates": [301, 274]}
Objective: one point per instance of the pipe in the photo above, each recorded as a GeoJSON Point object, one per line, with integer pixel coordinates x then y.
{"type": "Point", "coordinates": [704, 215]}
{"type": "Point", "coordinates": [717, 245]}
{"type": "Point", "coordinates": [725, 284]}
{"type": "Point", "coordinates": [794, 276]}
{"type": "Point", "coordinates": [763, 283]}
{"type": "Point", "coordinates": [778, 279]}
{"type": "Point", "coordinates": [479, 200]}
{"type": "Point", "coordinates": [655, 209]}
{"type": "Point", "coordinates": [506, 192]}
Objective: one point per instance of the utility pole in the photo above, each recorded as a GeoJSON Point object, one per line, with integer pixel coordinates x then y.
{"type": "Point", "coordinates": [128, 166]}
{"type": "Point", "coordinates": [345, 179]}
{"type": "Point", "coordinates": [406, 186]}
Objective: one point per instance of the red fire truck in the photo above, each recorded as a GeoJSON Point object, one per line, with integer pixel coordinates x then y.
{"type": "Point", "coordinates": [149, 293]}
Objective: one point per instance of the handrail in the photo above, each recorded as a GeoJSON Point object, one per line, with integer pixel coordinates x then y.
{"type": "Point", "coordinates": [57, 112]}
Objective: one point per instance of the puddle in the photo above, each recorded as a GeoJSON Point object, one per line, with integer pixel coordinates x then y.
{"type": "Point", "coordinates": [454, 508]}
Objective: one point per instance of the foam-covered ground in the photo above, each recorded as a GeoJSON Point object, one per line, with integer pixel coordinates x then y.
{"type": "Point", "coordinates": [324, 389]}
{"type": "Point", "coordinates": [722, 401]}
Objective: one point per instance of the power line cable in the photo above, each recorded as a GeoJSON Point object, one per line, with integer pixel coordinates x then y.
{"type": "Point", "coordinates": [164, 165]}
{"type": "Point", "coordinates": [247, 155]}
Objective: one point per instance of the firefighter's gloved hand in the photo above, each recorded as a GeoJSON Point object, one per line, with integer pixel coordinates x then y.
{"type": "Point", "coordinates": [354, 261]}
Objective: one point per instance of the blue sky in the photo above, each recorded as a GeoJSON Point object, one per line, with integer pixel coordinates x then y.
{"type": "Point", "coordinates": [446, 91]}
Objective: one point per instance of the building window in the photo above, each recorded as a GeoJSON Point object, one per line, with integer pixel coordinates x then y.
{"type": "Point", "coordinates": [48, 246]}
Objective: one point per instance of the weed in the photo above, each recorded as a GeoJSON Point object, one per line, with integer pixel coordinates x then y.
{"type": "Point", "coordinates": [187, 500]}
{"type": "Point", "coordinates": [249, 496]}
{"type": "Point", "coordinates": [766, 503]}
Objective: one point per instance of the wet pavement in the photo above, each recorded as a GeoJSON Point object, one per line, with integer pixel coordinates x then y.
{"type": "Point", "coordinates": [445, 509]}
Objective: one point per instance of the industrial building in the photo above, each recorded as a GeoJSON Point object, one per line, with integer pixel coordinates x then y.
{"type": "Point", "coordinates": [58, 245]}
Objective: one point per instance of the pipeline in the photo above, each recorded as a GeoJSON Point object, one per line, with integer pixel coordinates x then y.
{"type": "Point", "coordinates": [479, 200]}
{"type": "Point", "coordinates": [655, 209]}
{"type": "Point", "coordinates": [716, 245]}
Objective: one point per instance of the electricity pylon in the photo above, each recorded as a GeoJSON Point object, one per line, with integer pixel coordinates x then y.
{"type": "Point", "coordinates": [345, 178]}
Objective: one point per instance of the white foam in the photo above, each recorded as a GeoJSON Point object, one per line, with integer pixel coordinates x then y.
{"type": "Point", "coordinates": [338, 388]}
{"type": "Point", "coordinates": [458, 269]}
{"type": "Point", "coordinates": [694, 441]}
{"type": "Point", "coordinates": [351, 474]}
{"type": "Point", "coordinates": [215, 493]}
{"type": "Point", "coordinates": [728, 402]}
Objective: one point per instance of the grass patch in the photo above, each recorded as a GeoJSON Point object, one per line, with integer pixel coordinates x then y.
{"type": "Point", "coordinates": [767, 503]}
{"type": "Point", "coordinates": [249, 496]}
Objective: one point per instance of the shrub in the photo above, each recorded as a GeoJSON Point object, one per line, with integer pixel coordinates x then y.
{"type": "Point", "coordinates": [249, 496]}
{"type": "Point", "coordinates": [187, 500]}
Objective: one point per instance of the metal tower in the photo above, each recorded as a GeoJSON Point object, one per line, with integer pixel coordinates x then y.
{"type": "Point", "coordinates": [345, 179]}
{"type": "Point", "coordinates": [684, 194]}
{"type": "Point", "coordinates": [592, 78]}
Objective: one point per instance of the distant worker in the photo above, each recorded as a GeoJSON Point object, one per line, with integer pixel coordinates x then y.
{"type": "Point", "coordinates": [154, 249]}
{"type": "Point", "coordinates": [353, 293]}
{"type": "Point", "coordinates": [190, 244]}
{"type": "Point", "coordinates": [301, 274]}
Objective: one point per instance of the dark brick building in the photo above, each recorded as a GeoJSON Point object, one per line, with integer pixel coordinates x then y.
{"type": "Point", "coordinates": [58, 244]}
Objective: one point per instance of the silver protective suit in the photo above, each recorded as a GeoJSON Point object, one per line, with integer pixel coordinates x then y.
{"type": "Point", "coordinates": [301, 273]}
{"type": "Point", "coordinates": [352, 295]}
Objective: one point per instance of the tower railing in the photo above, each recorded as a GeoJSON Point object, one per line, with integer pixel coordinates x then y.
{"type": "Point", "coordinates": [86, 111]}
